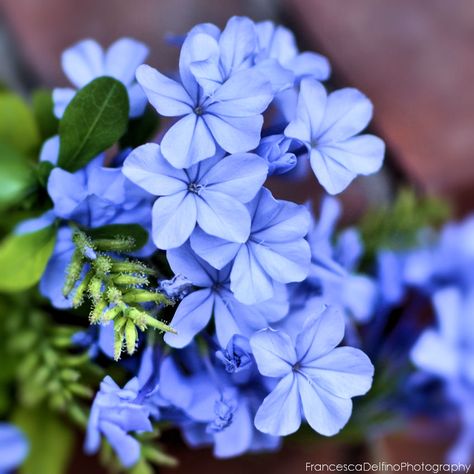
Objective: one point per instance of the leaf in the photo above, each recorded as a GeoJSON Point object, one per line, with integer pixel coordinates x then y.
{"type": "Point", "coordinates": [94, 120]}
{"type": "Point", "coordinates": [17, 124]}
{"type": "Point", "coordinates": [17, 176]}
{"type": "Point", "coordinates": [137, 232]}
{"type": "Point", "coordinates": [23, 258]}
{"type": "Point", "coordinates": [43, 107]}
{"type": "Point", "coordinates": [51, 441]}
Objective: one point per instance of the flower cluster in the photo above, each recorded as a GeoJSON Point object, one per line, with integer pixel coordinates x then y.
{"type": "Point", "coordinates": [185, 236]}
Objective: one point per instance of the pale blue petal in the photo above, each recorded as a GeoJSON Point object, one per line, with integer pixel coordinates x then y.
{"type": "Point", "coordinates": [183, 261]}
{"type": "Point", "coordinates": [285, 262]}
{"type": "Point", "coordinates": [191, 316]}
{"type": "Point", "coordinates": [125, 445]}
{"type": "Point", "coordinates": [244, 94]}
{"type": "Point", "coordinates": [278, 76]}
{"type": "Point", "coordinates": [325, 413]}
{"type": "Point", "coordinates": [223, 216]}
{"type": "Point", "coordinates": [237, 44]}
{"type": "Point", "coordinates": [345, 372]}
{"type": "Point", "coordinates": [167, 96]}
{"type": "Point", "coordinates": [83, 62]}
{"type": "Point", "coordinates": [50, 150]}
{"type": "Point", "coordinates": [360, 295]}
{"type": "Point", "coordinates": [274, 352]}
{"type": "Point", "coordinates": [235, 134]}
{"type": "Point", "coordinates": [13, 447]}
{"type": "Point", "coordinates": [147, 168]}
{"type": "Point", "coordinates": [240, 175]}
{"type": "Point", "coordinates": [433, 354]}
{"type": "Point", "coordinates": [320, 335]}
{"type": "Point", "coordinates": [138, 100]}
{"type": "Point", "coordinates": [448, 305]}
{"type": "Point", "coordinates": [249, 281]}
{"type": "Point", "coordinates": [225, 320]}
{"type": "Point", "coordinates": [67, 190]}
{"type": "Point", "coordinates": [311, 109]}
{"type": "Point", "coordinates": [216, 251]}
{"type": "Point", "coordinates": [347, 113]}
{"type": "Point", "coordinates": [61, 98]}
{"type": "Point", "coordinates": [310, 64]}
{"type": "Point", "coordinates": [123, 57]}
{"type": "Point", "coordinates": [173, 220]}
{"type": "Point", "coordinates": [333, 176]}
{"type": "Point", "coordinates": [361, 155]}
{"type": "Point", "coordinates": [280, 412]}
{"type": "Point", "coordinates": [187, 142]}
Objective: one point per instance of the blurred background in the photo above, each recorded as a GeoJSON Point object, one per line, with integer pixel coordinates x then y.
{"type": "Point", "coordinates": [413, 58]}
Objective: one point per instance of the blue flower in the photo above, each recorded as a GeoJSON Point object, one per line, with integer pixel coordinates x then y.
{"type": "Point", "coordinates": [96, 196]}
{"type": "Point", "coordinates": [333, 266]}
{"type": "Point", "coordinates": [276, 151]}
{"type": "Point", "coordinates": [219, 412]}
{"type": "Point", "coordinates": [86, 61]}
{"type": "Point", "coordinates": [115, 413]}
{"type": "Point", "coordinates": [13, 448]}
{"type": "Point", "coordinates": [328, 126]}
{"type": "Point", "coordinates": [237, 356]}
{"type": "Point", "coordinates": [229, 118]}
{"type": "Point", "coordinates": [316, 379]}
{"type": "Point", "coordinates": [210, 194]}
{"type": "Point", "coordinates": [278, 42]}
{"type": "Point", "coordinates": [214, 296]}
{"type": "Point", "coordinates": [274, 253]}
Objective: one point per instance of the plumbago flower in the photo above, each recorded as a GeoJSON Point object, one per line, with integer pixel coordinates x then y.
{"type": "Point", "coordinates": [316, 379]}
{"type": "Point", "coordinates": [214, 296]}
{"type": "Point", "coordinates": [327, 125]}
{"type": "Point", "coordinates": [210, 194]}
{"type": "Point", "coordinates": [115, 413]}
{"type": "Point", "coordinates": [13, 448]}
{"type": "Point", "coordinates": [332, 268]}
{"type": "Point", "coordinates": [86, 61]}
{"type": "Point", "coordinates": [447, 352]}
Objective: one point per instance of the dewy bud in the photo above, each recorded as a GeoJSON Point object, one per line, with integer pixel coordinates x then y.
{"type": "Point", "coordinates": [95, 288]}
{"type": "Point", "coordinates": [111, 313]}
{"type": "Point", "coordinates": [103, 265]}
{"type": "Point", "coordinates": [118, 244]}
{"type": "Point", "coordinates": [130, 280]}
{"type": "Point", "coordinates": [131, 336]}
{"type": "Point", "coordinates": [74, 271]}
{"type": "Point", "coordinates": [97, 312]}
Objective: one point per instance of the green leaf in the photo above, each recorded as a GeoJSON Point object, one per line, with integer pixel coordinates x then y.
{"type": "Point", "coordinates": [51, 441]}
{"type": "Point", "coordinates": [43, 111]}
{"type": "Point", "coordinates": [95, 119]}
{"type": "Point", "coordinates": [23, 258]}
{"type": "Point", "coordinates": [17, 124]}
{"type": "Point", "coordinates": [135, 231]}
{"type": "Point", "coordinates": [17, 176]}
{"type": "Point", "coordinates": [141, 130]}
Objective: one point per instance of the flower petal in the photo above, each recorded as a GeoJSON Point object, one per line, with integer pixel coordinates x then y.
{"type": "Point", "coordinates": [187, 142]}
{"type": "Point", "coordinates": [347, 113]}
{"type": "Point", "coordinates": [274, 352]}
{"type": "Point", "coordinates": [345, 372]}
{"type": "Point", "coordinates": [223, 216]}
{"type": "Point", "coordinates": [250, 283]}
{"type": "Point", "coordinates": [217, 252]}
{"type": "Point", "coordinates": [123, 57]}
{"type": "Point", "coordinates": [320, 334]}
{"type": "Point", "coordinates": [173, 220]}
{"type": "Point", "coordinates": [280, 412]}
{"type": "Point", "coordinates": [147, 168]}
{"type": "Point", "coordinates": [324, 412]}
{"type": "Point", "coordinates": [183, 261]}
{"type": "Point", "coordinates": [191, 317]}
{"type": "Point", "coordinates": [83, 62]}
{"type": "Point", "coordinates": [167, 96]}
{"type": "Point", "coordinates": [240, 175]}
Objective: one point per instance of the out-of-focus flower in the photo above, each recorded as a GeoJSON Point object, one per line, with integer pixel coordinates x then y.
{"type": "Point", "coordinates": [115, 413]}
{"type": "Point", "coordinates": [13, 448]}
{"type": "Point", "coordinates": [86, 61]}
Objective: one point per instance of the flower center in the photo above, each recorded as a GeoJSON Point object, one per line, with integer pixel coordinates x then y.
{"type": "Point", "coordinates": [198, 110]}
{"type": "Point", "coordinates": [195, 188]}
